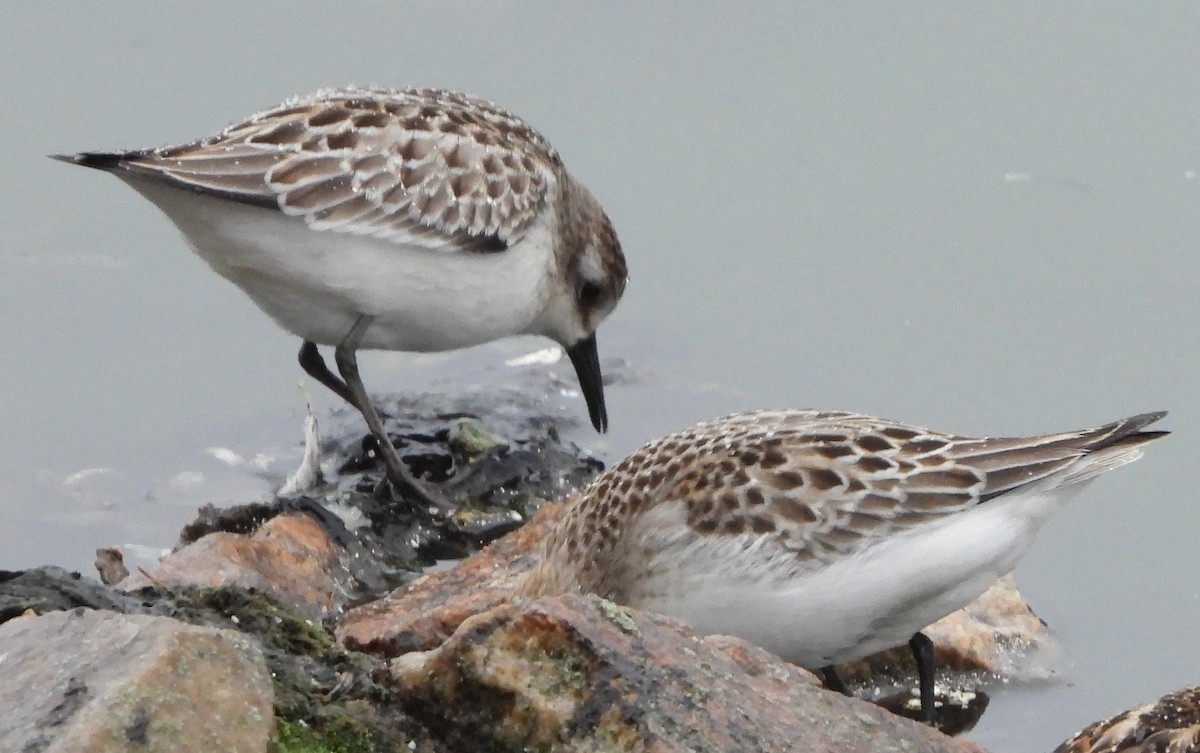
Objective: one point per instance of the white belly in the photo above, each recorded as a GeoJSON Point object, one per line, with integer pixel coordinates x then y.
{"type": "Point", "coordinates": [316, 284]}
{"type": "Point", "coordinates": [874, 599]}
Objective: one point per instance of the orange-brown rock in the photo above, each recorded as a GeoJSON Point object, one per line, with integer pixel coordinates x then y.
{"type": "Point", "coordinates": [288, 557]}
{"type": "Point", "coordinates": [576, 673]}
{"type": "Point", "coordinates": [422, 615]}
{"type": "Point", "coordinates": [991, 633]}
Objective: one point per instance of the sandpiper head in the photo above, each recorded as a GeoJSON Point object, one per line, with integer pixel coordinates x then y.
{"type": "Point", "coordinates": [592, 280]}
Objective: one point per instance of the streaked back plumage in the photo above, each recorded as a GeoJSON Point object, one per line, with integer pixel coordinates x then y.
{"type": "Point", "coordinates": [1170, 724]}
{"type": "Point", "coordinates": [415, 166]}
{"type": "Point", "coordinates": [819, 535]}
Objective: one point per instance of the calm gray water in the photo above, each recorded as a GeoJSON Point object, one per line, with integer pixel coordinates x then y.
{"type": "Point", "coordinates": [980, 221]}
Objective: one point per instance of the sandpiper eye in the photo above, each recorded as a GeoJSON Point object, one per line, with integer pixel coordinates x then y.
{"type": "Point", "coordinates": [589, 293]}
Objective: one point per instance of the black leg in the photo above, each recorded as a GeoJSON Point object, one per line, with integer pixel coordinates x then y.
{"type": "Point", "coordinates": [922, 649]}
{"type": "Point", "coordinates": [834, 681]}
{"type": "Point", "coordinates": [347, 363]}
{"type": "Point", "coordinates": [311, 361]}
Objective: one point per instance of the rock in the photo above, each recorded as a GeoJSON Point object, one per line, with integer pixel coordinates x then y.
{"type": "Point", "coordinates": [110, 563]}
{"type": "Point", "coordinates": [576, 673]}
{"type": "Point", "coordinates": [289, 557]}
{"type": "Point", "coordinates": [46, 589]}
{"type": "Point", "coordinates": [85, 681]}
{"type": "Point", "coordinates": [1170, 724]}
{"type": "Point", "coordinates": [487, 447]}
{"type": "Point", "coordinates": [326, 698]}
{"type": "Point", "coordinates": [469, 439]}
{"type": "Point", "coordinates": [997, 634]}
{"type": "Point", "coordinates": [422, 615]}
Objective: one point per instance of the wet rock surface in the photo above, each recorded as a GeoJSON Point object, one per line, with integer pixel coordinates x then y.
{"type": "Point", "coordinates": [48, 589]}
{"type": "Point", "coordinates": [422, 615]}
{"type": "Point", "coordinates": [348, 541]}
{"type": "Point", "coordinates": [495, 453]}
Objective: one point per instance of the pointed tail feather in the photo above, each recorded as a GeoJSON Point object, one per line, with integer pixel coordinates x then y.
{"type": "Point", "coordinates": [98, 160]}
{"type": "Point", "coordinates": [1067, 458]}
{"type": "Point", "coordinates": [1126, 429]}
{"type": "Point", "coordinates": [1121, 445]}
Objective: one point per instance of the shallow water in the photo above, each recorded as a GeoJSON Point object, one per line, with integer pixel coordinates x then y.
{"type": "Point", "coordinates": [982, 222]}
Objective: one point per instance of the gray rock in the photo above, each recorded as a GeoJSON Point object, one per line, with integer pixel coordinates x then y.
{"type": "Point", "coordinates": [44, 589]}
{"type": "Point", "coordinates": [84, 681]}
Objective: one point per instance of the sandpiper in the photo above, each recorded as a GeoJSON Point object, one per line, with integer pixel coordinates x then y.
{"type": "Point", "coordinates": [413, 220]}
{"type": "Point", "coordinates": [820, 536]}
{"type": "Point", "coordinates": [1170, 724]}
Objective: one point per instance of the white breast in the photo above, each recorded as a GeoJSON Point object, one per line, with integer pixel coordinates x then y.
{"type": "Point", "coordinates": [316, 284]}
